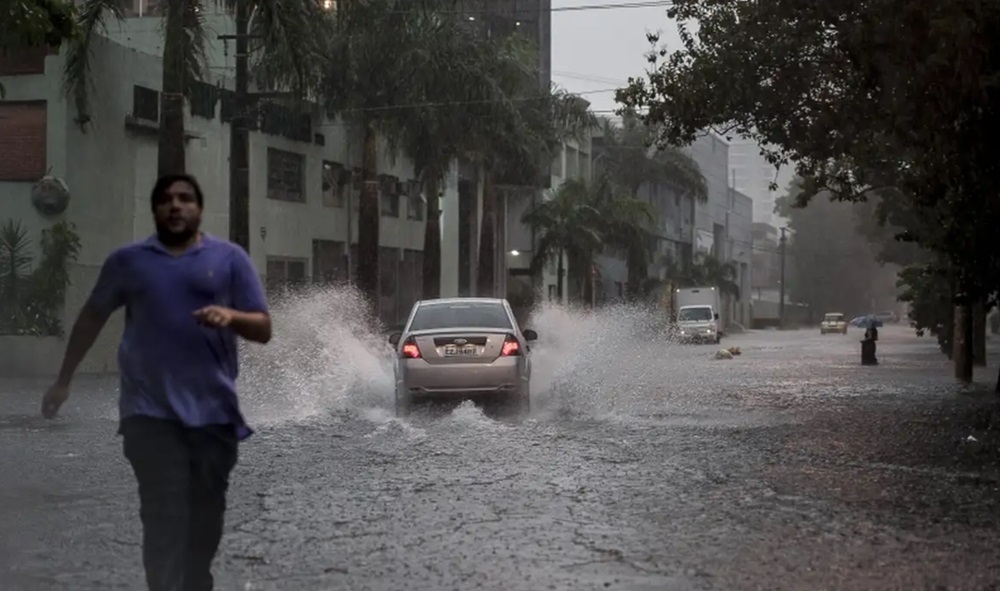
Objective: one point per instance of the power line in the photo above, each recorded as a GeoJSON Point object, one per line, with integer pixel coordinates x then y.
{"type": "Point", "coordinates": [460, 103]}
{"type": "Point", "coordinates": [586, 7]}
{"type": "Point", "coordinates": [477, 11]}
{"type": "Point", "coordinates": [587, 77]}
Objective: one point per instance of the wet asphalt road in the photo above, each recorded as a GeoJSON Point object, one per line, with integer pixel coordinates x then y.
{"type": "Point", "coordinates": [643, 467]}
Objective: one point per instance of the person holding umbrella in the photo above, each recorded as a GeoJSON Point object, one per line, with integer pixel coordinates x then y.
{"type": "Point", "coordinates": [868, 343]}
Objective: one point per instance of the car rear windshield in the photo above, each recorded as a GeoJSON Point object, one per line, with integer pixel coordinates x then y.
{"type": "Point", "coordinates": [478, 315]}
{"type": "Point", "coordinates": [834, 317]}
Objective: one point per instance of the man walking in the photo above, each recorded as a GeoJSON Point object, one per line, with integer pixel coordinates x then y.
{"type": "Point", "coordinates": [187, 297]}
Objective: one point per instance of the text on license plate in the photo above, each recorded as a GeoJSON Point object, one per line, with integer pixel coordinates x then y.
{"type": "Point", "coordinates": [459, 351]}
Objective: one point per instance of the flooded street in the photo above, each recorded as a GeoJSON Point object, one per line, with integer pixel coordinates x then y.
{"type": "Point", "coordinates": [645, 465]}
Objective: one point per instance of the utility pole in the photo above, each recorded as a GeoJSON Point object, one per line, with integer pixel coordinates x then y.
{"type": "Point", "coordinates": [239, 148]}
{"type": "Point", "coordinates": [781, 301]}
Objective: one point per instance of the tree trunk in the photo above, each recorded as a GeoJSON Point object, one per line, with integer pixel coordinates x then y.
{"type": "Point", "coordinates": [575, 274]}
{"type": "Point", "coordinates": [432, 241]}
{"type": "Point", "coordinates": [485, 284]}
{"type": "Point", "coordinates": [170, 142]}
{"type": "Point", "coordinates": [239, 136]}
{"type": "Point", "coordinates": [367, 272]}
{"type": "Point", "coordinates": [560, 273]}
{"type": "Point", "coordinates": [962, 343]}
{"type": "Point", "coordinates": [588, 286]}
{"type": "Point", "coordinates": [979, 334]}
{"type": "Point", "coordinates": [637, 273]}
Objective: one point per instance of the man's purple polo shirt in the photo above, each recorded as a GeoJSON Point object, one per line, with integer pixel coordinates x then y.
{"type": "Point", "coordinates": [171, 366]}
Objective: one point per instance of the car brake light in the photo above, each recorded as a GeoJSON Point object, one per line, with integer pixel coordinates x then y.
{"type": "Point", "coordinates": [411, 350]}
{"type": "Point", "coordinates": [510, 347]}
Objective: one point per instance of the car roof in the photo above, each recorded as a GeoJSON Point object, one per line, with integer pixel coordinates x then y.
{"type": "Point", "coordinates": [446, 301]}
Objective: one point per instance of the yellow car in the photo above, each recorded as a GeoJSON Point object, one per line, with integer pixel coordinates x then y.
{"type": "Point", "coordinates": [833, 322]}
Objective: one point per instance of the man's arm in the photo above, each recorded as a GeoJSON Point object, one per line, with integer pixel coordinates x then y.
{"type": "Point", "coordinates": [251, 319]}
{"type": "Point", "coordinates": [87, 327]}
{"type": "Point", "coordinates": [106, 297]}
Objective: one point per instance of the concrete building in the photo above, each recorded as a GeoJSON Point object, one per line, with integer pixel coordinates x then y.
{"type": "Point", "coordinates": [303, 199]}
{"type": "Point", "coordinates": [723, 223]}
{"type": "Point", "coordinates": [752, 175]}
{"type": "Point", "coordinates": [766, 256]}
{"type": "Point", "coordinates": [672, 237]}
{"type": "Point", "coordinates": [531, 18]}
{"type": "Point", "coordinates": [573, 161]}
{"type": "Point", "coordinates": [720, 227]}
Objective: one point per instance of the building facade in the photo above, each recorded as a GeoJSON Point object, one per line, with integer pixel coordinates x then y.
{"type": "Point", "coordinates": [752, 175]}
{"type": "Point", "coordinates": [531, 18]}
{"type": "Point", "coordinates": [303, 195]}
{"type": "Point", "coordinates": [723, 223]}
{"type": "Point", "coordinates": [766, 257]}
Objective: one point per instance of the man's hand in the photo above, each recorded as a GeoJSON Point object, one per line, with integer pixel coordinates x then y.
{"type": "Point", "coordinates": [217, 316]}
{"type": "Point", "coordinates": [54, 398]}
{"type": "Point", "coordinates": [254, 326]}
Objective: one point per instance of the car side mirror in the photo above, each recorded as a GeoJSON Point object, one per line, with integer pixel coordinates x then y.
{"type": "Point", "coordinates": [530, 335]}
{"type": "Point", "coordinates": [716, 316]}
{"type": "Point", "coordinates": [394, 338]}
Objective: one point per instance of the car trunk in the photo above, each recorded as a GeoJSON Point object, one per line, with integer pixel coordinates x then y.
{"type": "Point", "coordinates": [464, 346]}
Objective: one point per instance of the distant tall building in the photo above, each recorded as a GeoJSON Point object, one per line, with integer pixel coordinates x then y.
{"type": "Point", "coordinates": [752, 175]}
{"type": "Point", "coordinates": [532, 18]}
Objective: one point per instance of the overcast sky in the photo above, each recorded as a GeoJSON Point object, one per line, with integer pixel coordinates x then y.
{"type": "Point", "coordinates": [594, 50]}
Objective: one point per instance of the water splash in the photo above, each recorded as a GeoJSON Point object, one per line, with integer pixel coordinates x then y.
{"type": "Point", "coordinates": [597, 363]}
{"type": "Point", "coordinates": [324, 358]}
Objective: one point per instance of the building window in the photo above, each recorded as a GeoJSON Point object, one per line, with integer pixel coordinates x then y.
{"type": "Point", "coordinates": [390, 192]}
{"type": "Point", "coordinates": [279, 120]}
{"type": "Point", "coordinates": [329, 261]}
{"type": "Point", "coordinates": [285, 176]}
{"type": "Point", "coordinates": [23, 141]}
{"type": "Point", "coordinates": [203, 97]}
{"type": "Point", "coordinates": [336, 184]}
{"type": "Point", "coordinates": [285, 273]}
{"type": "Point", "coordinates": [145, 103]}
{"type": "Point", "coordinates": [226, 104]}
{"type": "Point", "coordinates": [24, 62]}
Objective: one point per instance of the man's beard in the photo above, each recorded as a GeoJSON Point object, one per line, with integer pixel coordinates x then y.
{"type": "Point", "coordinates": [170, 238]}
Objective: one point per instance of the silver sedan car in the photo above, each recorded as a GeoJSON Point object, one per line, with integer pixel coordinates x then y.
{"type": "Point", "coordinates": [463, 348]}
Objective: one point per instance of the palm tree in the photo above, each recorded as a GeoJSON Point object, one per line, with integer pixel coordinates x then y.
{"type": "Point", "coordinates": [568, 223]}
{"type": "Point", "coordinates": [709, 270]}
{"type": "Point", "coordinates": [280, 26]}
{"type": "Point", "coordinates": [626, 220]}
{"type": "Point", "coordinates": [631, 161]}
{"type": "Point", "coordinates": [385, 68]}
{"type": "Point", "coordinates": [515, 147]}
{"type": "Point", "coordinates": [36, 23]}
{"type": "Point", "coordinates": [577, 222]}
{"type": "Point", "coordinates": [466, 83]}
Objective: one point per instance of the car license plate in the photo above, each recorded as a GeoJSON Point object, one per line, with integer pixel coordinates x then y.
{"type": "Point", "coordinates": [456, 351]}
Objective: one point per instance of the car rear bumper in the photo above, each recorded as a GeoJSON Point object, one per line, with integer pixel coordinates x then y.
{"type": "Point", "coordinates": [418, 378]}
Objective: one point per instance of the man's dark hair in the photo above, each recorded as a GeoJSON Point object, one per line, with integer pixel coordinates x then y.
{"type": "Point", "coordinates": [164, 182]}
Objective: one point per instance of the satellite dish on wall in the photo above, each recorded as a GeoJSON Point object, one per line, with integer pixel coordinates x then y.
{"type": "Point", "coordinates": [50, 196]}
